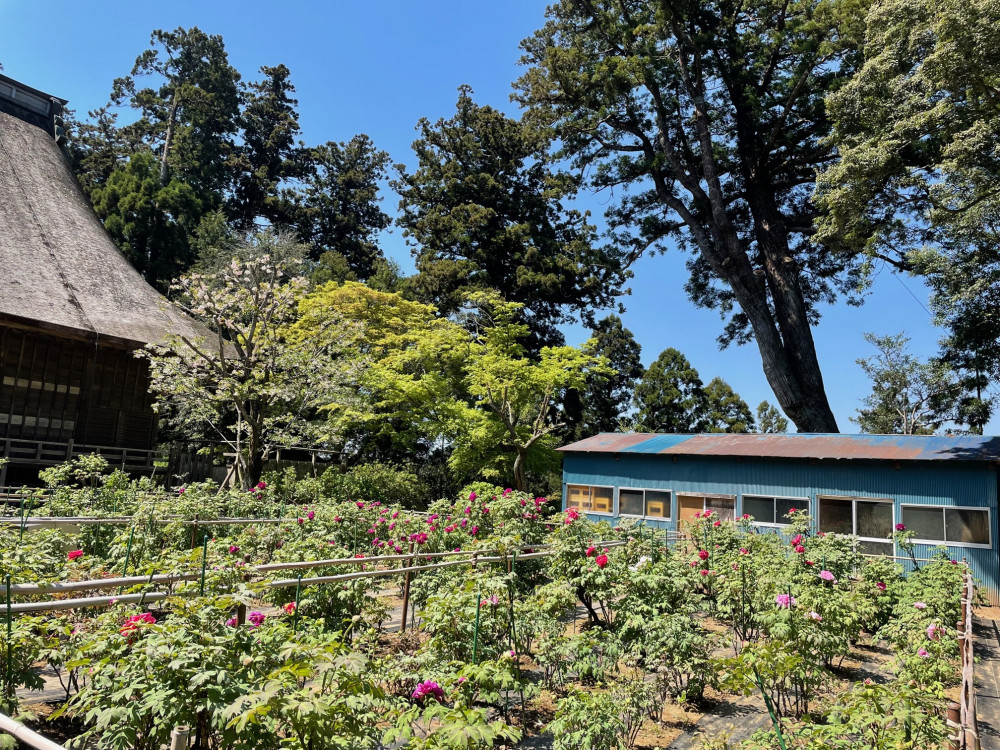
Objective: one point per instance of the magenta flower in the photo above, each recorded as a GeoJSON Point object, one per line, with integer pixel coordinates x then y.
{"type": "Point", "coordinates": [923, 653]}
{"type": "Point", "coordinates": [77, 553]}
{"type": "Point", "coordinates": [826, 575]}
{"type": "Point", "coordinates": [591, 550]}
{"type": "Point", "coordinates": [233, 549]}
{"type": "Point", "coordinates": [472, 496]}
{"type": "Point", "coordinates": [744, 551]}
{"type": "Point", "coordinates": [900, 527]}
{"type": "Point", "coordinates": [601, 560]}
{"type": "Point", "coordinates": [703, 554]}
{"type": "Point", "coordinates": [785, 601]}
{"type": "Point", "coordinates": [232, 622]}
{"type": "Point", "coordinates": [180, 491]}
{"type": "Point", "coordinates": [311, 515]}
{"type": "Point", "coordinates": [880, 586]}
{"type": "Point", "coordinates": [490, 601]}
{"type": "Point", "coordinates": [428, 688]}
{"type": "Point", "coordinates": [256, 619]}
{"type": "Point", "coordinates": [799, 549]}
{"type": "Point", "coordinates": [359, 504]}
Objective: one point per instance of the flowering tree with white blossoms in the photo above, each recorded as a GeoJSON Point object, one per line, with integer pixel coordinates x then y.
{"type": "Point", "coordinates": [251, 386]}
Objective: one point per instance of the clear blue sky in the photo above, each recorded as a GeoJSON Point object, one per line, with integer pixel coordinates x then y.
{"type": "Point", "coordinates": [376, 67]}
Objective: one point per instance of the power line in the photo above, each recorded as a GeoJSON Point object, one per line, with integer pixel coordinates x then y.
{"type": "Point", "coordinates": [911, 294]}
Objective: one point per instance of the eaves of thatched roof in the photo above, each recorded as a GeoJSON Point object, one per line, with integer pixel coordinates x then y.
{"type": "Point", "coordinates": [59, 269]}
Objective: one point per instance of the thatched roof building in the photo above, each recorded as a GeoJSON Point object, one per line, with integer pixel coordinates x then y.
{"type": "Point", "coordinates": [72, 308]}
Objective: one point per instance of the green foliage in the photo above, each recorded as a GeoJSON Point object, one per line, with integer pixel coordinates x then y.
{"type": "Point", "coordinates": [707, 122]}
{"type": "Point", "coordinates": [908, 397]}
{"type": "Point", "coordinates": [672, 398]}
{"type": "Point", "coordinates": [484, 210]}
{"type": "Point", "coordinates": [588, 720]}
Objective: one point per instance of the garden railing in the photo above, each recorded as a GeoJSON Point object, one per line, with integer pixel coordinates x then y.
{"type": "Point", "coordinates": [26, 736]}
{"type": "Point", "coordinates": [962, 714]}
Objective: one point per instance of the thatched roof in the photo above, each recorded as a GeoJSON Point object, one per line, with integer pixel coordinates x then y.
{"type": "Point", "coordinates": [59, 269]}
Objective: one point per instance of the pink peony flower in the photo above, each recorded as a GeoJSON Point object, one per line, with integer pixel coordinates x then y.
{"type": "Point", "coordinates": [923, 653]}
{"type": "Point", "coordinates": [591, 550]}
{"type": "Point", "coordinates": [934, 632]}
{"type": "Point", "coordinates": [180, 491]}
{"type": "Point", "coordinates": [490, 601]}
{"type": "Point", "coordinates": [428, 689]}
{"type": "Point", "coordinates": [232, 622]}
{"type": "Point", "coordinates": [919, 605]}
{"type": "Point", "coordinates": [815, 616]}
{"type": "Point", "coordinates": [703, 554]}
{"type": "Point", "coordinates": [799, 549]}
{"type": "Point", "coordinates": [704, 572]}
{"type": "Point", "coordinates": [135, 622]}
{"type": "Point", "coordinates": [256, 619]}
{"type": "Point", "coordinates": [826, 575]}
{"type": "Point", "coordinates": [233, 549]}
{"type": "Point", "coordinates": [785, 601]}
{"type": "Point", "coordinates": [359, 504]}
{"type": "Point", "coordinates": [796, 540]}
{"type": "Point", "coordinates": [74, 554]}
{"type": "Point", "coordinates": [717, 523]}
{"type": "Point", "coordinates": [472, 496]}
{"type": "Point", "coordinates": [311, 515]}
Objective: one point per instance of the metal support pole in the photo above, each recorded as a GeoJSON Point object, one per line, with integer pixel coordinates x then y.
{"type": "Point", "coordinates": [128, 550]}
{"type": "Point", "coordinates": [179, 738]}
{"type": "Point", "coordinates": [475, 632]}
{"type": "Point", "coordinates": [204, 563]}
{"type": "Point", "coordinates": [295, 615]}
{"type": "Point", "coordinates": [9, 681]}
{"type": "Point", "coordinates": [406, 591]}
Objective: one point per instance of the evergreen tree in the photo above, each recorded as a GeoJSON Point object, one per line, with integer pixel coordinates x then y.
{"type": "Point", "coordinates": [708, 120]}
{"type": "Point", "coordinates": [268, 155]}
{"type": "Point", "coordinates": [485, 211]}
{"type": "Point", "coordinates": [725, 411]}
{"type": "Point", "coordinates": [602, 405]}
{"type": "Point", "coordinates": [670, 397]}
{"type": "Point", "coordinates": [769, 419]}
{"type": "Point", "coordinates": [338, 205]}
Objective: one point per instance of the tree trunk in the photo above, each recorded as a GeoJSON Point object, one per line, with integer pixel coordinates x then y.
{"type": "Point", "coordinates": [520, 478]}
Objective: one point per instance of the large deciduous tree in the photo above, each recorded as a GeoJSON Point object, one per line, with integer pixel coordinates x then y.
{"type": "Point", "coordinates": [484, 210]}
{"type": "Point", "coordinates": [706, 118]}
{"type": "Point", "coordinates": [513, 395]}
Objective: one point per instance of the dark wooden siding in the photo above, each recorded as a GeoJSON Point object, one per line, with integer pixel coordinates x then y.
{"type": "Point", "coordinates": [58, 389]}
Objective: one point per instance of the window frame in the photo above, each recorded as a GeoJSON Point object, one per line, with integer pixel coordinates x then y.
{"type": "Point", "coordinates": [807, 500]}
{"type": "Point", "coordinates": [705, 496]}
{"type": "Point", "coordinates": [644, 490]}
{"type": "Point", "coordinates": [944, 524]}
{"type": "Point", "coordinates": [614, 498]}
{"type": "Point", "coordinates": [854, 500]}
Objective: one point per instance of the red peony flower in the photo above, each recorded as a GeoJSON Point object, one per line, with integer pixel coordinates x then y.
{"type": "Point", "coordinates": [601, 561]}
{"type": "Point", "coordinates": [703, 554]}
{"type": "Point", "coordinates": [74, 554]}
{"type": "Point", "coordinates": [591, 550]}
{"type": "Point", "coordinates": [799, 549]}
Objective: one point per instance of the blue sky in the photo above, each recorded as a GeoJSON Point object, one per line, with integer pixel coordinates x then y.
{"type": "Point", "coordinates": [377, 67]}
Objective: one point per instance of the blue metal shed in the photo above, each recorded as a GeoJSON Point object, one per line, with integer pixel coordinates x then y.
{"type": "Point", "coordinates": [943, 488]}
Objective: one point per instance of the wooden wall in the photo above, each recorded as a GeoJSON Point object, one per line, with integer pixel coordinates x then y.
{"type": "Point", "coordinates": [60, 389]}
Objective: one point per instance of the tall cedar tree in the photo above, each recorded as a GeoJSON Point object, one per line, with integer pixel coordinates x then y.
{"type": "Point", "coordinates": [671, 398]}
{"type": "Point", "coordinates": [268, 155]}
{"type": "Point", "coordinates": [708, 118]}
{"type": "Point", "coordinates": [338, 204]}
{"type": "Point", "coordinates": [183, 138]}
{"type": "Point", "coordinates": [483, 211]}
{"type": "Point", "coordinates": [602, 405]}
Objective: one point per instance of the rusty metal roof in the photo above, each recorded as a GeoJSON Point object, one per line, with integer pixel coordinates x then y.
{"type": "Point", "coordinates": [799, 445]}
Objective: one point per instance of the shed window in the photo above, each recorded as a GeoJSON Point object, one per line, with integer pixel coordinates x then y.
{"type": "Point", "coordinates": [722, 506]}
{"type": "Point", "coordinates": [648, 503]}
{"type": "Point", "coordinates": [773, 510]}
{"type": "Point", "coordinates": [590, 499]}
{"type": "Point", "coordinates": [948, 525]}
{"type": "Point", "coordinates": [869, 520]}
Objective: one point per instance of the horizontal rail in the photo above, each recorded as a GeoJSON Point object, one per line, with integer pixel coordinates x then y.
{"type": "Point", "coordinates": [22, 734]}
{"type": "Point", "coordinates": [95, 584]}
{"type": "Point", "coordinates": [104, 601]}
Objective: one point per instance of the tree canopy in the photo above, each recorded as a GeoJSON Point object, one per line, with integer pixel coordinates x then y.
{"type": "Point", "coordinates": [484, 210]}
{"type": "Point", "coordinates": [707, 120]}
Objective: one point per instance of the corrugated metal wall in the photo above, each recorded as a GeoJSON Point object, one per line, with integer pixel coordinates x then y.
{"type": "Point", "coordinates": [918, 483]}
